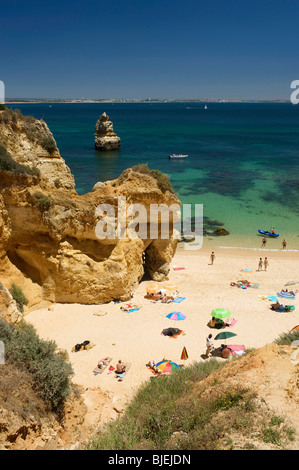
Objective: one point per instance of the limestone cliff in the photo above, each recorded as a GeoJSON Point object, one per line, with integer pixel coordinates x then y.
{"type": "Point", "coordinates": [105, 137]}
{"type": "Point", "coordinates": [50, 246]}
{"type": "Point", "coordinates": [31, 143]}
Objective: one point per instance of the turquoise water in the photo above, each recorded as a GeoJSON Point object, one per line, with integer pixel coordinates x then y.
{"type": "Point", "coordinates": [243, 162]}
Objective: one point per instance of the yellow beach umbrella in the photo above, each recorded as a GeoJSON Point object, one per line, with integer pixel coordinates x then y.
{"type": "Point", "coordinates": [152, 288]}
{"type": "Point", "coordinates": [170, 286]}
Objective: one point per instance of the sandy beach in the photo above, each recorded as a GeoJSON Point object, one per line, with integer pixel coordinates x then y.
{"type": "Point", "coordinates": [136, 337]}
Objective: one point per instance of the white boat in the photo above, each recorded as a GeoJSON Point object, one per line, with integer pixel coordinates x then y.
{"type": "Point", "coordinates": [206, 107]}
{"type": "Point", "coordinates": [174, 156]}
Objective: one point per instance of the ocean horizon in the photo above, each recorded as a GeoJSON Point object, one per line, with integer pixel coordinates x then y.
{"type": "Point", "coordinates": [242, 160]}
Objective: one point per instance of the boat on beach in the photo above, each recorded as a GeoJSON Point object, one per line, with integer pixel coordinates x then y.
{"type": "Point", "coordinates": [176, 156]}
{"type": "Point", "coordinates": [269, 234]}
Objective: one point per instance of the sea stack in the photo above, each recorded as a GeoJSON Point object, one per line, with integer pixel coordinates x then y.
{"type": "Point", "coordinates": [105, 138]}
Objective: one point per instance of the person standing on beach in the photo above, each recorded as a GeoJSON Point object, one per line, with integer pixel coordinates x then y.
{"type": "Point", "coordinates": [266, 262]}
{"type": "Point", "coordinates": [260, 265]}
{"type": "Point", "coordinates": [284, 244]}
{"type": "Point", "coordinates": [209, 345]}
{"type": "Point", "coordinates": [212, 257]}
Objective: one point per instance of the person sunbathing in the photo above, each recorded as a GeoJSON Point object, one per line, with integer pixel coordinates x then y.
{"type": "Point", "coordinates": [120, 367]}
{"type": "Point", "coordinates": [103, 362]}
{"type": "Point", "coordinates": [217, 323]}
{"type": "Point", "coordinates": [153, 366]}
{"type": "Point", "coordinates": [275, 306]}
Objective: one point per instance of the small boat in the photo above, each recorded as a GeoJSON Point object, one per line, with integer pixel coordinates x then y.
{"type": "Point", "coordinates": [206, 107]}
{"type": "Point", "coordinates": [269, 234]}
{"type": "Point", "coordinates": [174, 155]}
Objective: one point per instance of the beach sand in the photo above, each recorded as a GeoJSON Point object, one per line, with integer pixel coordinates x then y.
{"type": "Point", "coordinates": [136, 338]}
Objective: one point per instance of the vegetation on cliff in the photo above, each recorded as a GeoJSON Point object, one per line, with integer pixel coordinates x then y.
{"type": "Point", "coordinates": [19, 296]}
{"type": "Point", "coordinates": [163, 181]}
{"type": "Point", "coordinates": [27, 124]}
{"type": "Point", "coordinates": [206, 406]}
{"type": "Point", "coordinates": [49, 372]}
{"type": "Point", "coordinates": [7, 163]}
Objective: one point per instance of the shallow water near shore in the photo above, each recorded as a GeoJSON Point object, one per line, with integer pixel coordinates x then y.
{"type": "Point", "coordinates": [243, 162]}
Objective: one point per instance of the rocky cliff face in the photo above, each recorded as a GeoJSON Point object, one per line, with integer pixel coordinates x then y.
{"type": "Point", "coordinates": [49, 243]}
{"type": "Point", "coordinates": [53, 240]}
{"type": "Point", "coordinates": [105, 137]}
{"type": "Point", "coordinates": [31, 143]}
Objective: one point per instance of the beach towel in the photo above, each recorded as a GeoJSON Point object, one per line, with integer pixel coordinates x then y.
{"type": "Point", "coordinates": [246, 270]}
{"type": "Point", "coordinates": [97, 370]}
{"type": "Point", "coordinates": [178, 300]}
{"type": "Point", "coordinates": [178, 269]}
{"type": "Point", "coordinates": [123, 374]}
{"type": "Point", "coordinates": [237, 349]}
{"type": "Point", "coordinates": [263, 297]}
{"type": "Point", "coordinates": [272, 298]}
{"type": "Point", "coordinates": [230, 323]}
{"type": "Point", "coordinates": [127, 309]}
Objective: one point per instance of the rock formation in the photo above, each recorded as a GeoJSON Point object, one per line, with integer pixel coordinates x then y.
{"type": "Point", "coordinates": [49, 245]}
{"type": "Point", "coordinates": [105, 138]}
{"type": "Point", "coordinates": [31, 143]}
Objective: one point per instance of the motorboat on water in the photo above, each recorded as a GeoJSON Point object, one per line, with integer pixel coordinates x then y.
{"type": "Point", "coordinates": [177, 156]}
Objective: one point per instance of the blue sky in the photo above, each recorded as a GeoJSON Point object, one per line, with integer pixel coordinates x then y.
{"type": "Point", "coordinates": [158, 49]}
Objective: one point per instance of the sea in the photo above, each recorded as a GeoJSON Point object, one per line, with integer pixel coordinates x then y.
{"type": "Point", "coordinates": [242, 165]}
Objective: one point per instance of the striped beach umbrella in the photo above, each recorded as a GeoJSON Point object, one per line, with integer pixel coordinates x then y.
{"type": "Point", "coordinates": [152, 288]}
{"type": "Point", "coordinates": [220, 313]}
{"type": "Point", "coordinates": [167, 366]}
{"type": "Point", "coordinates": [170, 286]}
{"type": "Point", "coordinates": [286, 295]}
{"type": "Point", "coordinates": [176, 316]}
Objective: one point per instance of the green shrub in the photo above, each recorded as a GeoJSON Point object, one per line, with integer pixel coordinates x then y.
{"type": "Point", "coordinates": [2, 107]}
{"type": "Point", "coordinates": [48, 143]}
{"type": "Point", "coordinates": [18, 296]}
{"type": "Point", "coordinates": [43, 201]}
{"type": "Point", "coordinates": [50, 371]}
{"type": "Point", "coordinates": [162, 180]}
{"type": "Point", "coordinates": [7, 163]}
{"type": "Point", "coordinates": [287, 338]}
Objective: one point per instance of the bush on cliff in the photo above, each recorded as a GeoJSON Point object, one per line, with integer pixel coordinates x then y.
{"type": "Point", "coordinates": [19, 296]}
{"type": "Point", "coordinates": [51, 372]}
{"type": "Point", "coordinates": [7, 163]}
{"type": "Point", "coordinates": [48, 143]}
{"type": "Point", "coordinates": [162, 180]}
{"type": "Point", "coordinates": [43, 201]}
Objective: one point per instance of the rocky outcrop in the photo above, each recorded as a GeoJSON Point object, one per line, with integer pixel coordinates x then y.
{"type": "Point", "coordinates": [31, 143]}
{"type": "Point", "coordinates": [52, 238]}
{"type": "Point", "coordinates": [105, 137]}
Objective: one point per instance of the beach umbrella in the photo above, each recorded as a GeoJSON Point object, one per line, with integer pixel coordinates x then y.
{"type": "Point", "coordinates": [220, 313]}
{"type": "Point", "coordinates": [184, 354]}
{"type": "Point", "coordinates": [167, 366]}
{"type": "Point", "coordinates": [152, 288]}
{"type": "Point", "coordinates": [291, 283]}
{"type": "Point", "coordinates": [176, 316]}
{"type": "Point", "coordinates": [225, 335]}
{"type": "Point", "coordinates": [170, 286]}
{"type": "Point", "coordinates": [286, 295]}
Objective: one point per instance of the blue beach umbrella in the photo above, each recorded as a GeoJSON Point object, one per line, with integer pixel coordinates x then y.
{"type": "Point", "coordinates": [286, 295]}
{"type": "Point", "coordinates": [176, 316]}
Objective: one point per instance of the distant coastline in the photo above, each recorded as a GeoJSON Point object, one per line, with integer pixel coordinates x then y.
{"type": "Point", "coordinates": [133, 100]}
